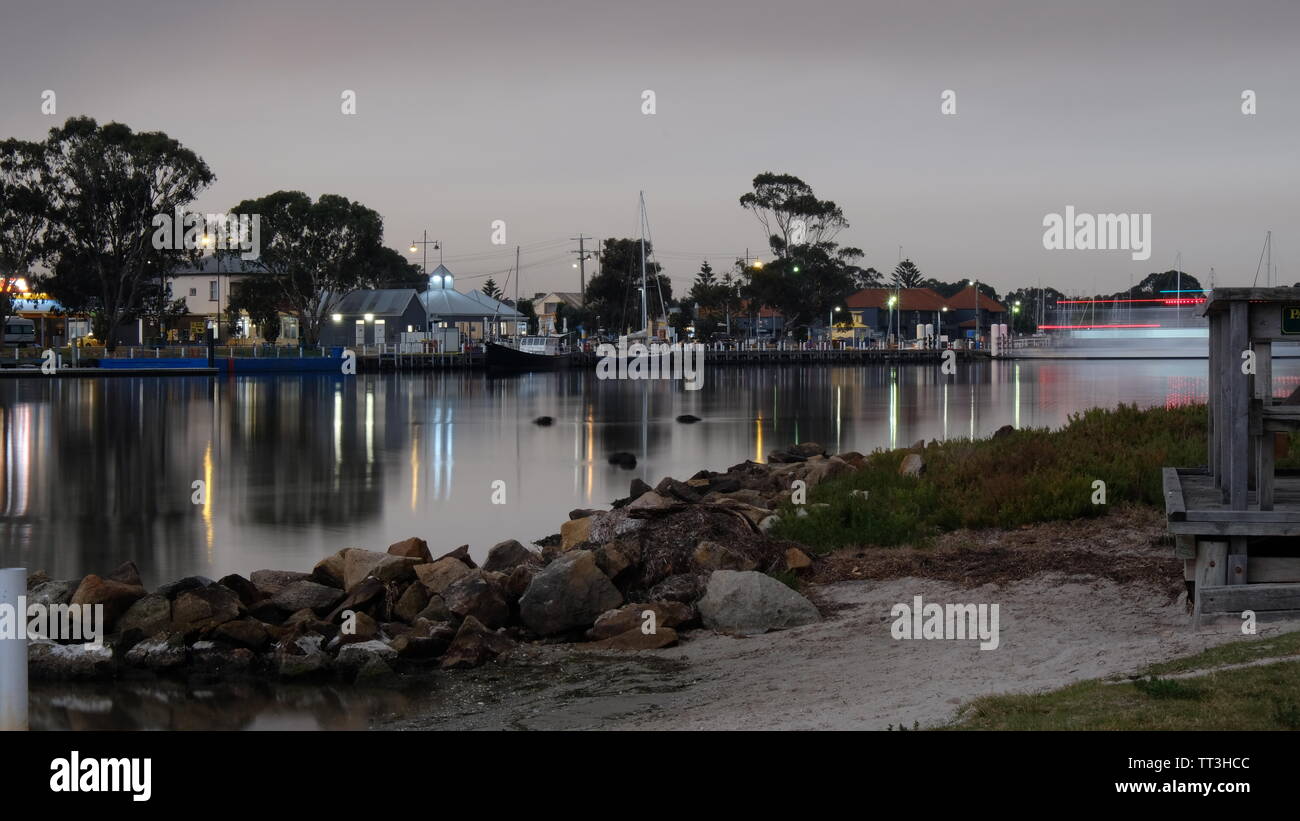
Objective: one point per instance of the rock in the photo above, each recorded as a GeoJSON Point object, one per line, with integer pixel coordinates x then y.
{"type": "Point", "coordinates": [374, 671]}
{"type": "Point", "coordinates": [460, 554]}
{"type": "Point", "coordinates": [568, 593]}
{"type": "Point", "coordinates": [117, 597]}
{"type": "Point", "coordinates": [912, 465]}
{"type": "Point", "coordinates": [435, 610]}
{"type": "Point", "coordinates": [505, 556]}
{"type": "Point", "coordinates": [165, 651]}
{"type": "Point", "coordinates": [52, 592]}
{"type": "Point", "coordinates": [575, 532]}
{"type": "Point", "coordinates": [358, 564]}
{"type": "Point", "coordinates": [412, 601]}
{"type": "Point", "coordinates": [150, 615]}
{"type": "Point", "coordinates": [1005, 430]}
{"type": "Point", "coordinates": [477, 595]}
{"type": "Point", "coordinates": [653, 504]}
{"type": "Point", "coordinates": [582, 512]}
{"type": "Point", "coordinates": [274, 580]}
{"type": "Point", "coordinates": [831, 468]}
{"type": "Point", "coordinates": [173, 589]}
{"type": "Point", "coordinates": [356, 656]}
{"type": "Point", "coordinates": [748, 603]}
{"type": "Point", "coordinates": [688, 419]}
{"type": "Point", "coordinates": [681, 491]}
{"type": "Point", "coordinates": [854, 459]}
{"type": "Point", "coordinates": [617, 558]}
{"type": "Point", "coordinates": [544, 421]}
{"type": "Point", "coordinates": [631, 617]}
{"type": "Point", "coordinates": [637, 488]}
{"type": "Point", "coordinates": [474, 644]}
{"type": "Point", "coordinates": [36, 579]}
{"type": "Point", "coordinates": [126, 573]}
{"type": "Point", "coordinates": [797, 453]}
{"type": "Point", "coordinates": [709, 556]}
{"type": "Point", "coordinates": [635, 639]}
{"type": "Point", "coordinates": [248, 593]}
{"type": "Point", "coordinates": [371, 593]}
{"type": "Point", "coordinates": [796, 559]}
{"type": "Point", "coordinates": [301, 656]}
{"type": "Point", "coordinates": [244, 633]}
{"type": "Point", "coordinates": [683, 587]}
{"type": "Point", "coordinates": [623, 459]}
{"type": "Point", "coordinates": [768, 523]}
{"type": "Point", "coordinates": [201, 610]}
{"type": "Point", "coordinates": [412, 548]}
{"type": "Point", "coordinates": [49, 661]}
{"type": "Point", "coordinates": [329, 570]}
{"type": "Point", "coordinates": [419, 647]}
{"type": "Point", "coordinates": [310, 595]}
{"type": "Point", "coordinates": [359, 627]}
{"type": "Point", "coordinates": [435, 576]}
{"type": "Point", "coordinates": [725, 484]}
{"type": "Point", "coordinates": [746, 496]}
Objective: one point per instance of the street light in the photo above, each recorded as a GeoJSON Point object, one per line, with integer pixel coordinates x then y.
{"type": "Point", "coordinates": [424, 271]}
{"type": "Point", "coordinates": [893, 298]}
{"type": "Point", "coordinates": [976, 284]}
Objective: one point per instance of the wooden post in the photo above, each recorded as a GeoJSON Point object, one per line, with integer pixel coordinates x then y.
{"type": "Point", "coordinates": [1238, 408]}
{"type": "Point", "coordinates": [1211, 568]}
{"type": "Point", "coordinates": [1264, 454]}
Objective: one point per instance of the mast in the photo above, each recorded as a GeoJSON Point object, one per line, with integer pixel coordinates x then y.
{"type": "Point", "coordinates": [645, 324]}
{"type": "Point", "coordinates": [517, 296]}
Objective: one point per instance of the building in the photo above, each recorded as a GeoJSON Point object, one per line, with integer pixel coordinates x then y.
{"type": "Point", "coordinates": [206, 288]}
{"type": "Point", "coordinates": [476, 315]}
{"type": "Point", "coordinates": [546, 306]}
{"type": "Point", "coordinates": [377, 317]}
{"type": "Point", "coordinates": [872, 314]}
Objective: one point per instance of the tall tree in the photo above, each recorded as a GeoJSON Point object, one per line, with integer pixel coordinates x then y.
{"type": "Point", "coordinates": [105, 185]}
{"type": "Point", "coordinates": [314, 251]}
{"type": "Point", "coordinates": [614, 294]}
{"type": "Point", "coordinates": [907, 275]}
{"type": "Point", "coordinates": [382, 267]}
{"type": "Point", "coordinates": [24, 213]}
{"type": "Point", "coordinates": [490, 288]}
{"type": "Point", "coordinates": [259, 297]}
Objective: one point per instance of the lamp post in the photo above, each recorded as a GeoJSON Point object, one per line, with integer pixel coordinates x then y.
{"type": "Point", "coordinates": [424, 270]}
{"type": "Point", "coordinates": [893, 298]}
{"type": "Point", "coordinates": [830, 326]}
{"type": "Point", "coordinates": [976, 284]}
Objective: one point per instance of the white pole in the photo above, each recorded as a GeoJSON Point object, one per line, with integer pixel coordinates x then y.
{"type": "Point", "coordinates": [13, 653]}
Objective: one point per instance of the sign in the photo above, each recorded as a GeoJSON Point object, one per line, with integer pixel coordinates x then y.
{"type": "Point", "coordinates": [1291, 319]}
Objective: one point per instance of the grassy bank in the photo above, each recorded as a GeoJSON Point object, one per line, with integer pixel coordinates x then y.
{"type": "Point", "coordinates": [1263, 697]}
{"type": "Point", "coordinates": [1022, 477]}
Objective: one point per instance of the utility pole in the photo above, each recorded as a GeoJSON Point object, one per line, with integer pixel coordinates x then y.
{"type": "Point", "coordinates": [583, 256]}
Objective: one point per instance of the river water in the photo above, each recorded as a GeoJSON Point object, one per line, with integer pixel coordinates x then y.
{"type": "Point", "coordinates": [100, 470]}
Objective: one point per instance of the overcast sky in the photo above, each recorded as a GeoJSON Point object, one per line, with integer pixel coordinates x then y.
{"type": "Point", "coordinates": [530, 112]}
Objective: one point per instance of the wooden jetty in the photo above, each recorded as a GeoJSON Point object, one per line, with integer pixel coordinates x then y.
{"type": "Point", "coordinates": [1236, 521]}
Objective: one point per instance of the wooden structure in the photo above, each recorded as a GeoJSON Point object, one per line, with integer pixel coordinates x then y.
{"type": "Point", "coordinates": [1236, 521]}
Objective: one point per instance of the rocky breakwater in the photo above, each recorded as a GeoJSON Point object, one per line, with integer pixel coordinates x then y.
{"type": "Point", "coordinates": [665, 559]}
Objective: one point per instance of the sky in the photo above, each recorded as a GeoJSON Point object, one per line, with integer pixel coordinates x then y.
{"type": "Point", "coordinates": [532, 113]}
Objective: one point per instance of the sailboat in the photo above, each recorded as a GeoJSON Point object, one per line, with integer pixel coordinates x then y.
{"type": "Point", "coordinates": [642, 336]}
{"type": "Point", "coordinates": [530, 353]}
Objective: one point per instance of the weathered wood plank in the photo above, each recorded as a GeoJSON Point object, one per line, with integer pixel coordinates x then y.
{"type": "Point", "coordinates": [1211, 567]}
{"type": "Point", "coordinates": [1175, 509]}
{"type": "Point", "coordinates": [1237, 568]}
{"type": "Point", "coordinates": [1237, 597]}
{"type": "Point", "coordinates": [1185, 548]}
{"type": "Point", "coordinates": [1238, 408]}
{"type": "Point", "coordinates": [1214, 529]}
{"type": "Point", "coordinates": [1273, 569]}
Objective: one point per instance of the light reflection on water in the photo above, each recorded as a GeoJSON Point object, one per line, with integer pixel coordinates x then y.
{"type": "Point", "coordinates": [96, 471]}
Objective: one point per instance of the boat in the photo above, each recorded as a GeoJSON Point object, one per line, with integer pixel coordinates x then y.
{"type": "Point", "coordinates": [535, 353]}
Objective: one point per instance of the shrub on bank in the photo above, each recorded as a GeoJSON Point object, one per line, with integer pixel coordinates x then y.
{"type": "Point", "coordinates": [1013, 479]}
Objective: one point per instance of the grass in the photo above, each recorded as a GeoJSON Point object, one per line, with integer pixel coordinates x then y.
{"type": "Point", "coordinates": [1027, 476]}
{"type": "Point", "coordinates": [1248, 698]}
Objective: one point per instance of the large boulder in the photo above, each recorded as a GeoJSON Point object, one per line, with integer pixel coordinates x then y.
{"type": "Point", "coordinates": [413, 600]}
{"type": "Point", "coordinates": [412, 548]}
{"type": "Point", "coordinates": [165, 651]}
{"type": "Point", "coordinates": [50, 661]}
{"type": "Point", "coordinates": [52, 591]}
{"type": "Point", "coordinates": [150, 615]}
{"type": "Point", "coordinates": [460, 554]}
{"type": "Point", "coordinates": [435, 576]}
{"type": "Point", "coordinates": [356, 656]}
{"type": "Point", "coordinates": [246, 633]}
{"type": "Point", "coordinates": [912, 465]}
{"type": "Point", "coordinates": [568, 593]}
{"type": "Point", "coordinates": [116, 597]}
{"type": "Point", "coordinates": [200, 610]}
{"type": "Point", "coordinates": [310, 595]}
{"type": "Point", "coordinates": [637, 639]}
{"type": "Point", "coordinates": [474, 644]}
{"type": "Point", "coordinates": [272, 581]}
{"type": "Point", "coordinates": [358, 564]}
{"type": "Point", "coordinates": [301, 656]}
{"type": "Point", "coordinates": [506, 556]}
{"type": "Point", "coordinates": [173, 589]}
{"type": "Point", "coordinates": [575, 532]}
{"type": "Point", "coordinates": [480, 595]}
{"type": "Point", "coordinates": [710, 556]}
{"type": "Point", "coordinates": [749, 602]}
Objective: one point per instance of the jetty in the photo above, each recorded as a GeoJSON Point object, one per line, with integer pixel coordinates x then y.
{"type": "Point", "coordinates": [1236, 519]}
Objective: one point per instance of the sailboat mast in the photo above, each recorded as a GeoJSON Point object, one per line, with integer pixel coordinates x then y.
{"type": "Point", "coordinates": [645, 324]}
{"type": "Point", "coordinates": [517, 293]}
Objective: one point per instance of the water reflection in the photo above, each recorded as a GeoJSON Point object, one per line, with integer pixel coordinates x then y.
{"type": "Point", "coordinates": [99, 470]}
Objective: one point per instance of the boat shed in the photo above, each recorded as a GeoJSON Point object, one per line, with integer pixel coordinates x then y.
{"type": "Point", "coordinates": [375, 317]}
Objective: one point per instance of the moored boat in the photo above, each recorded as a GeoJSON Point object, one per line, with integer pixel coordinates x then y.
{"type": "Point", "coordinates": [535, 353]}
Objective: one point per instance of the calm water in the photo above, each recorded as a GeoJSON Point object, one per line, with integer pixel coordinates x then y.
{"type": "Point", "coordinates": [97, 471]}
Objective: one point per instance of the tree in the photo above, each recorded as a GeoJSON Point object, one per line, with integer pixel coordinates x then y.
{"type": "Point", "coordinates": [907, 275]}
{"type": "Point", "coordinates": [259, 297]}
{"type": "Point", "coordinates": [105, 185]}
{"type": "Point", "coordinates": [867, 278]}
{"type": "Point", "coordinates": [315, 252]}
{"type": "Point", "coordinates": [24, 213]}
{"type": "Point", "coordinates": [614, 294]}
{"type": "Point", "coordinates": [382, 267]}
{"type": "Point", "coordinates": [490, 289]}
{"type": "Point", "coordinates": [811, 272]}
{"type": "Point", "coordinates": [525, 307]}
